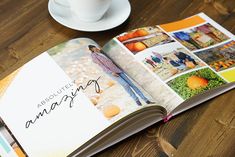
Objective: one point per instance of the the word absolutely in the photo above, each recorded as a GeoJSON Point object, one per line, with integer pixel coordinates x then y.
{"type": "Point", "coordinates": [55, 94]}
{"type": "Point", "coordinates": [65, 99]}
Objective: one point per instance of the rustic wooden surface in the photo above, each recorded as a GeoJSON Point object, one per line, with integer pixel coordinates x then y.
{"type": "Point", "coordinates": [208, 130]}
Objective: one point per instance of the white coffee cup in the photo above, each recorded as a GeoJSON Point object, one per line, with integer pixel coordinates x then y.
{"type": "Point", "coordinates": [86, 10]}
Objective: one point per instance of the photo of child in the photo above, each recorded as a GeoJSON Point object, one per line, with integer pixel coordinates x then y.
{"type": "Point", "coordinates": [219, 58]}
{"type": "Point", "coordinates": [143, 38]}
{"type": "Point", "coordinates": [196, 82]}
{"type": "Point", "coordinates": [110, 68]}
{"type": "Point", "coordinates": [83, 60]}
{"type": "Point", "coordinates": [200, 37]}
{"type": "Point", "coordinates": [169, 63]}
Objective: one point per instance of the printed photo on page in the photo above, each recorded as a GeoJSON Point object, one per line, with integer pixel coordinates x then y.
{"type": "Point", "coordinates": [118, 95]}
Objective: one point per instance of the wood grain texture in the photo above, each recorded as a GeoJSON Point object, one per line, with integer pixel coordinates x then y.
{"type": "Point", "coordinates": [208, 130]}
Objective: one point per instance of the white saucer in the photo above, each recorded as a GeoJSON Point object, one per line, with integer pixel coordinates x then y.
{"type": "Point", "coordinates": [118, 12]}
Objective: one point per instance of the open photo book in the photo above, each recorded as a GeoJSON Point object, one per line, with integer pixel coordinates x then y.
{"type": "Point", "coordinates": [79, 98]}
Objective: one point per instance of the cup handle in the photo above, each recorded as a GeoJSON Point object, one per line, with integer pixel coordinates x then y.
{"type": "Point", "coordinates": [63, 3]}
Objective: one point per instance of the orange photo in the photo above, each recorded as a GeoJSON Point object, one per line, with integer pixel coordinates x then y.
{"type": "Point", "coordinates": [143, 38]}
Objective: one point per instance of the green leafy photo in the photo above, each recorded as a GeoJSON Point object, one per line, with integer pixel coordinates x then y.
{"type": "Point", "coordinates": [195, 82]}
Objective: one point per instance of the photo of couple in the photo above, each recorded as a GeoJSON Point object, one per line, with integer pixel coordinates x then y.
{"type": "Point", "coordinates": [143, 38]}
{"type": "Point", "coordinates": [219, 58]}
{"type": "Point", "coordinates": [168, 64]}
{"type": "Point", "coordinates": [200, 37]}
{"type": "Point", "coordinates": [83, 60]}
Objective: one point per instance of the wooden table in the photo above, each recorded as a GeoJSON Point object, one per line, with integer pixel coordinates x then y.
{"type": "Point", "coordinates": [208, 130]}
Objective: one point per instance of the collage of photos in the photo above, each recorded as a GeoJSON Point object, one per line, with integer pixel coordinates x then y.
{"type": "Point", "coordinates": [219, 58]}
{"type": "Point", "coordinates": [183, 72]}
{"type": "Point", "coordinates": [169, 62]}
{"type": "Point", "coordinates": [186, 72]}
{"type": "Point", "coordinates": [199, 37]}
{"type": "Point", "coordinates": [143, 38]}
{"type": "Point", "coordinates": [118, 95]}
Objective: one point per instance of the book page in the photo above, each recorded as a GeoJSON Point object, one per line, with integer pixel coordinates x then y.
{"type": "Point", "coordinates": [176, 61]}
{"type": "Point", "coordinates": [61, 99]}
